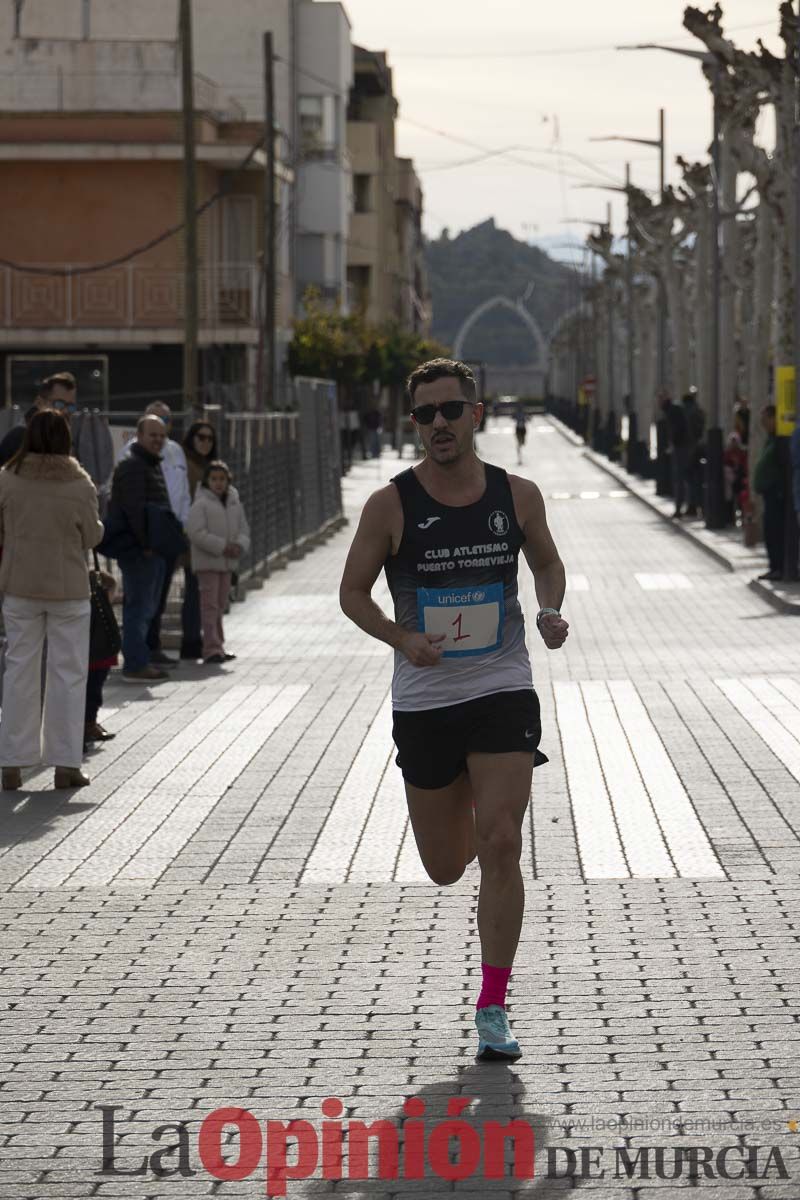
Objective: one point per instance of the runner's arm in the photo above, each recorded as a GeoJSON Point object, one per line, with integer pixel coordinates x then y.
{"type": "Point", "coordinates": [369, 551]}
{"type": "Point", "coordinates": [540, 551]}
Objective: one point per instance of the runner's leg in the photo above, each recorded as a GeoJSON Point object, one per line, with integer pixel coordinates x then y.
{"type": "Point", "coordinates": [444, 828]}
{"type": "Point", "coordinates": [502, 785]}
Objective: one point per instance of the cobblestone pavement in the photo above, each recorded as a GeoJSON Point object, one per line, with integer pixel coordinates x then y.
{"type": "Point", "coordinates": [233, 913]}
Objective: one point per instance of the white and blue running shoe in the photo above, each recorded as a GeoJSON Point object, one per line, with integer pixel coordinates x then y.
{"type": "Point", "coordinates": [495, 1040]}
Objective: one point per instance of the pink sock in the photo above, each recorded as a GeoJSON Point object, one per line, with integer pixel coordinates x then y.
{"type": "Point", "coordinates": [495, 982]}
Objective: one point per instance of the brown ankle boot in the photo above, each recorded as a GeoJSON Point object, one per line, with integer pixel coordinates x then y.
{"type": "Point", "coordinates": [70, 777]}
{"type": "Point", "coordinates": [12, 779]}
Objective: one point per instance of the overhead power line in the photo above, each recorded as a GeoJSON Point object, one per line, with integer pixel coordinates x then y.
{"type": "Point", "coordinates": [486, 151]}
{"type": "Point", "coordinates": [555, 51]}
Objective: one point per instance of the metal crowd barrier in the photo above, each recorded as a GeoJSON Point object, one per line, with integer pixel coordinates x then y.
{"type": "Point", "coordinates": [286, 467]}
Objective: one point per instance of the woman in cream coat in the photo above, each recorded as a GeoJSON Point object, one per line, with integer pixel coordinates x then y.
{"type": "Point", "coordinates": [48, 521]}
{"type": "Point", "coordinates": [218, 532]}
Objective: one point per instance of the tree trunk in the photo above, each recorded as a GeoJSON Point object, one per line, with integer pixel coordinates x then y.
{"type": "Point", "coordinates": [645, 333]}
{"type": "Point", "coordinates": [676, 305]}
{"type": "Point", "coordinates": [728, 341]}
{"type": "Point", "coordinates": [763, 290]}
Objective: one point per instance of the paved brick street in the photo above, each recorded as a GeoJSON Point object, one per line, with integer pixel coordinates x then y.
{"type": "Point", "coordinates": [233, 913]}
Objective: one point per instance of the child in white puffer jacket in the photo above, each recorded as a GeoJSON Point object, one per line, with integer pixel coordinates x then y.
{"type": "Point", "coordinates": [219, 536]}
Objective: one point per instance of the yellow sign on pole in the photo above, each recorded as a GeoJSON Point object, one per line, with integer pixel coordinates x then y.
{"type": "Point", "coordinates": [785, 401]}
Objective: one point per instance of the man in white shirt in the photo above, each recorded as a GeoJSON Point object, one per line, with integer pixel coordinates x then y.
{"type": "Point", "coordinates": [176, 476]}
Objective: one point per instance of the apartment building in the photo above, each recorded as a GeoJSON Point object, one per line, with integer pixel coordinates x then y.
{"type": "Point", "coordinates": [92, 159]}
{"type": "Point", "coordinates": [385, 262]}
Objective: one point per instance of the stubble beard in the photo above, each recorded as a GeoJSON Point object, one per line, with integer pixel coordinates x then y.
{"type": "Point", "coordinates": [449, 452]}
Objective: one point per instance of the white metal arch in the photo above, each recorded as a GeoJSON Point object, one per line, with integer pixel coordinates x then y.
{"type": "Point", "coordinates": [521, 311]}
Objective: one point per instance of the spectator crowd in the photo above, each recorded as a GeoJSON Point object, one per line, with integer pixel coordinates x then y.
{"type": "Point", "coordinates": [769, 478]}
{"type": "Point", "coordinates": [171, 507]}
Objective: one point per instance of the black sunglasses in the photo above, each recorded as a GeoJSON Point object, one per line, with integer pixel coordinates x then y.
{"type": "Point", "coordinates": [451, 410]}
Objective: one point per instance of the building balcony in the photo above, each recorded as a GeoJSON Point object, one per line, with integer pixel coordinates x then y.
{"type": "Point", "coordinates": [65, 91]}
{"type": "Point", "coordinates": [133, 298]}
{"type": "Point", "coordinates": [363, 241]}
{"type": "Point", "coordinates": [362, 146]}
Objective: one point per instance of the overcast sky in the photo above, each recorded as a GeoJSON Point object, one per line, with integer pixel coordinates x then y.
{"type": "Point", "coordinates": [543, 75]}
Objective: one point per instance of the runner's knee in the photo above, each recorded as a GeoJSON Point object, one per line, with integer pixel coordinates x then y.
{"type": "Point", "coordinates": [500, 846]}
{"type": "Point", "coordinates": [444, 874]}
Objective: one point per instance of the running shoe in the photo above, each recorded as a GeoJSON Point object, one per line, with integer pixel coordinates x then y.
{"type": "Point", "coordinates": [495, 1040]}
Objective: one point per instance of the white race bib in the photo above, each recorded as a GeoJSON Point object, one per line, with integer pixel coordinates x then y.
{"type": "Point", "coordinates": [471, 618]}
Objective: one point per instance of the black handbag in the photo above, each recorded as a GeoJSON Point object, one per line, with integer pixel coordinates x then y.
{"type": "Point", "coordinates": [105, 640]}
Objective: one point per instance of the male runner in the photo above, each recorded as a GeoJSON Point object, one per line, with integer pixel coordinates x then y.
{"type": "Point", "coordinates": [466, 718]}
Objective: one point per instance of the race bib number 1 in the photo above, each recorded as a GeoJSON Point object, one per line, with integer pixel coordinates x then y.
{"type": "Point", "coordinates": [471, 618]}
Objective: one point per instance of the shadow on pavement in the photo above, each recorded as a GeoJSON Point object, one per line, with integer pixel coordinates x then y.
{"type": "Point", "coordinates": [37, 815]}
{"type": "Point", "coordinates": [495, 1094]}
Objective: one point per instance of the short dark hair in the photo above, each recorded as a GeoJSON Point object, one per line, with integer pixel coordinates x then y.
{"type": "Point", "coordinates": [443, 368]}
{"type": "Point", "coordinates": [769, 410]}
{"type": "Point", "coordinates": [63, 379]}
{"type": "Point", "coordinates": [47, 432]}
{"type": "Point", "coordinates": [216, 465]}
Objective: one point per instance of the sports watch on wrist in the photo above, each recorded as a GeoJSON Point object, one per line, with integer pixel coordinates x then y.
{"type": "Point", "coordinates": [543, 613]}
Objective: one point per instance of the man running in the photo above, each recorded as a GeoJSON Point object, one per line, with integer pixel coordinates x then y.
{"type": "Point", "coordinates": [520, 430]}
{"type": "Point", "coordinates": [466, 718]}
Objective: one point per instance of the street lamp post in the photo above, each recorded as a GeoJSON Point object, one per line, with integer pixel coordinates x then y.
{"type": "Point", "coordinates": [714, 506]}
{"type": "Point", "coordinates": [638, 450]}
{"type": "Point", "coordinates": [594, 432]}
{"type": "Point", "coordinates": [607, 441]}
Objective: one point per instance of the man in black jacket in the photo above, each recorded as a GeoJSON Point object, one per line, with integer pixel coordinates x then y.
{"type": "Point", "coordinates": [139, 481]}
{"type": "Point", "coordinates": [678, 435]}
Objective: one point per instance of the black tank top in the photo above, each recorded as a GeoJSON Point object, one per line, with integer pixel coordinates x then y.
{"type": "Point", "coordinates": [455, 572]}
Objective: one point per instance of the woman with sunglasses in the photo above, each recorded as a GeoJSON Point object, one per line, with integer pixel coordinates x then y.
{"type": "Point", "coordinates": [449, 533]}
{"type": "Point", "coordinates": [200, 447]}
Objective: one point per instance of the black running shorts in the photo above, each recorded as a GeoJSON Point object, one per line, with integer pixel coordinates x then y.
{"type": "Point", "coordinates": [433, 743]}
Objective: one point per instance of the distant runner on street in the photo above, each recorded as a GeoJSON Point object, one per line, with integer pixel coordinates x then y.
{"type": "Point", "coordinates": [520, 430]}
{"type": "Point", "coordinates": [448, 533]}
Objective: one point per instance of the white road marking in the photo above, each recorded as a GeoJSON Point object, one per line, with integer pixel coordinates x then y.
{"type": "Point", "coordinates": [577, 583]}
{"type": "Point", "coordinates": [653, 583]}
{"type": "Point", "coordinates": [341, 833]}
{"type": "Point", "coordinates": [689, 846]}
{"type": "Point", "coordinates": [645, 850]}
{"type": "Point", "coordinates": [166, 843]}
{"type": "Point", "coordinates": [409, 864]}
{"type": "Point", "coordinates": [631, 811]}
{"type": "Point", "coordinates": [772, 708]}
{"type": "Point", "coordinates": [598, 841]}
{"type": "Point", "coordinates": [129, 815]}
{"type": "Point", "coordinates": [383, 833]}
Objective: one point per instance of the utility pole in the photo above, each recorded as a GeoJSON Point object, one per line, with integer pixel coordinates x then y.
{"type": "Point", "coordinates": [190, 390]}
{"type": "Point", "coordinates": [610, 434]}
{"type": "Point", "coordinates": [658, 144]}
{"type": "Point", "coordinates": [790, 548]}
{"type": "Point", "coordinates": [633, 461]}
{"type": "Point", "coordinates": [715, 489]}
{"type": "Point", "coordinates": [662, 297]}
{"type": "Point", "coordinates": [269, 264]}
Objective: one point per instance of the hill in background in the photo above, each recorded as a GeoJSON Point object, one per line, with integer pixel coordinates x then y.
{"type": "Point", "coordinates": [486, 261]}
